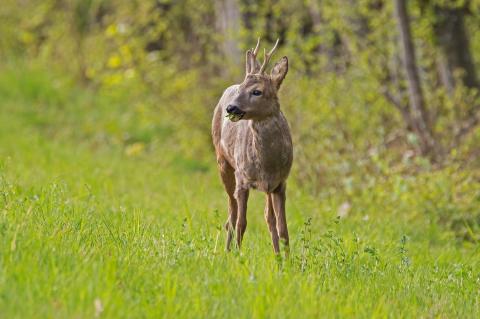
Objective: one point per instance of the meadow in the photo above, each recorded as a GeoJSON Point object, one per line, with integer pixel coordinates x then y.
{"type": "Point", "coordinates": [95, 222]}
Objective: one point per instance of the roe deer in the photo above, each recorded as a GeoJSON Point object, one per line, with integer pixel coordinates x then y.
{"type": "Point", "coordinates": [254, 147]}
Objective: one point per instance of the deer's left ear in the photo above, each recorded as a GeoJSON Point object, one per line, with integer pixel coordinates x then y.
{"type": "Point", "coordinates": [279, 71]}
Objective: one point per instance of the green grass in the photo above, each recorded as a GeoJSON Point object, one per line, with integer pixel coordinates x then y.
{"type": "Point", "coordinates": [89, 228]}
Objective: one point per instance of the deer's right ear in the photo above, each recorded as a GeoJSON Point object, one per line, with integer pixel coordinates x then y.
{"type": "Point", "coordinates": [279, 72]}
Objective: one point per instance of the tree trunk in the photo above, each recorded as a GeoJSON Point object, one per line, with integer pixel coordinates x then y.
{"type": "Point", "coordinates": [453, 43]}
{"type": "Point", "coordinates": [319, 28]}
{"type": "Point", "coordinates": [227, 15]}
{"type": "Point", "coordinates": [418, 112]}
{"type": "Point", "coordinates": [334, 50]}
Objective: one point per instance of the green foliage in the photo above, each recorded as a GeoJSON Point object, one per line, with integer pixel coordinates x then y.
{"type": "Point", "coordinates": [169, 53]}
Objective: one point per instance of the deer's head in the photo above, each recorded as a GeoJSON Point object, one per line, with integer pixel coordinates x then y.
{"type": "Point", "coordinates": [256, 97]}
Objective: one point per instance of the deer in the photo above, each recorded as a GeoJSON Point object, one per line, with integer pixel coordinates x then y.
{"type": "Point", "coordinates": [253, 147]}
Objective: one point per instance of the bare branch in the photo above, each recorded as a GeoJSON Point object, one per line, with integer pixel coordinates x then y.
{"type": "Point", "coordinates": [394, 100]}
{"type": "Point", "coordinates": [467, 127]}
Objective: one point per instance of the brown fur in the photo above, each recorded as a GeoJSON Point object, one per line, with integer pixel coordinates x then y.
{"type": "Point", "coordinates": [255, 152]}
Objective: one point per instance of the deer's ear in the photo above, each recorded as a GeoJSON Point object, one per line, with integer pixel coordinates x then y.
{"type": "Point", "coordinates": [279, 71]}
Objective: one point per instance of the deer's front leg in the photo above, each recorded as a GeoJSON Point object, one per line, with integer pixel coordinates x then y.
{"type": "Point", "coordinates": [232, 220]}
{"type": "Point", "coordinates": [242, 199]}
{"type": "Point", "coordinates": [228, 178]}
{"type": "Point", "coordinates": [278, 199]}
{"type": "Point", "coordinates": [272, 223]}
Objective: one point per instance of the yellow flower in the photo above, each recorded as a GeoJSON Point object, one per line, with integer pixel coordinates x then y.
{"type": "Point", "coordinates": [114, 61]}
{"type": "Point", "coordinates": [135, 149]}
{"type": "Point", "coordinates": [111, 30]}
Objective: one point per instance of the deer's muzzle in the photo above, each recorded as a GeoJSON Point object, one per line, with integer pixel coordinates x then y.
{"type": "Point", "coordinates": [234, 113]}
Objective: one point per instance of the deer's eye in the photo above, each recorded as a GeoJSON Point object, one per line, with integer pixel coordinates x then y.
{"type": "Point", "coordinates": [256, 92]}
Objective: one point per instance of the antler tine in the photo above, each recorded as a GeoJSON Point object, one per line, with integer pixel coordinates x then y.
{"type": "Point", "coordinates": [268, 56]}
{"type": "Point", "coordinates": [248, 58]}
{"type": "Point", "coordinates": [255, 52]}
{"type": "Point", "coordinates": [253, 56]}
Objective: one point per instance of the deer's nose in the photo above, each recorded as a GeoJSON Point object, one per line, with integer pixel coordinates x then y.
{"type": "Point", "coordinates": [233, 109]}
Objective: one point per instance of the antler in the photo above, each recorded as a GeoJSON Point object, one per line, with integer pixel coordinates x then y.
{"type": "Point", "coordinates": [253, 58]}
{"type": "Point", "coordinates": [255, 52]}
{"type": "Point", "coordinates": [267, 57]}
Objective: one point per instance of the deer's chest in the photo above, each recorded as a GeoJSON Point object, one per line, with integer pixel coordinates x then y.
{"type": "Point", "coordinates": [264, 164]}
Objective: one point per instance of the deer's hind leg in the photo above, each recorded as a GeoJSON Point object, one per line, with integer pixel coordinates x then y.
{"type": "Point", "coordinates": [271, 222]}
{"type": "Point", "coordinates": [228, 178]}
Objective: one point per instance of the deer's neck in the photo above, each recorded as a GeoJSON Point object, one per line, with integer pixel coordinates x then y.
{"type": "Point", "coordinates": [268, 133]}
{"type": "Point", "coordinates": [262, 130]}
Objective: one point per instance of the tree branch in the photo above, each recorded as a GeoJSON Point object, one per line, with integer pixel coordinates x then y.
{"type": "Point", "coordinates": [469, 125]}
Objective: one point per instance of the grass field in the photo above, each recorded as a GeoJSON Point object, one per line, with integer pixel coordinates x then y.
{"type": "Point", "coordinates": [93, 224]}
